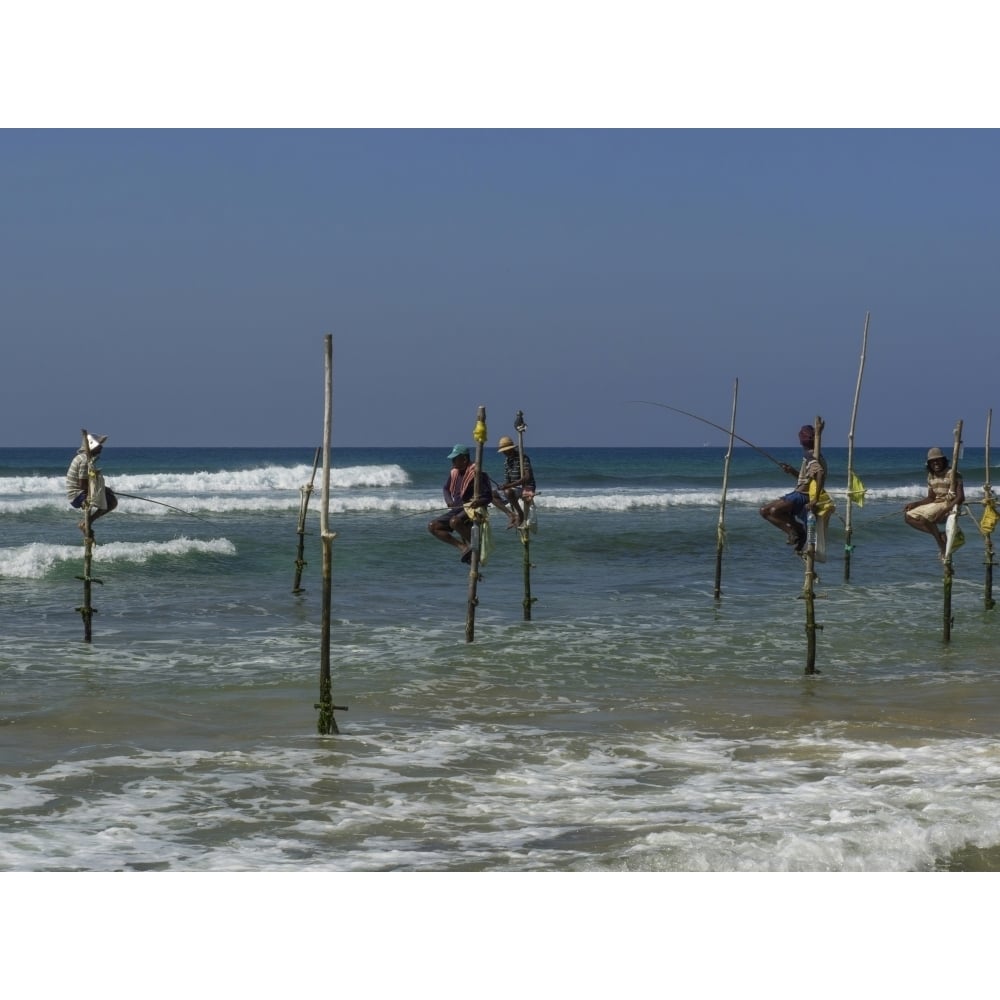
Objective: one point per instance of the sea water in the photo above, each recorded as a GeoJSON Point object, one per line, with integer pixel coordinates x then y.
{"type": "Point", "coordinates": [634, 722]}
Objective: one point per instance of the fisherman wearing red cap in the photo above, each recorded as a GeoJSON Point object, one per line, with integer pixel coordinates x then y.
{"type": "Point", "coordinates": [789, 511]}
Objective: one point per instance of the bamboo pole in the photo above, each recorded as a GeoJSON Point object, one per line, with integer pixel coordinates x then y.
{"type": "Point", "coordinates": [524, 528]}
{"type": "Point", "coordinates": [479, 435]}
{"type": "Point", "coordinates": [988, 505]}
{"type": "Point", "coordinates": [327, 724]}
{"type": "Point", "coordinates": [949, 572]}
{"type": "Point", "coordinates": [87, 610]}
{"type": "Point", "coordinates": [720, 532]}
{"type": "Point", "coordinates": [848, 530]}
{"type": "Point", "coordinates": [808, 589]}
{"type": "Point", "coordinates": [305, 492]}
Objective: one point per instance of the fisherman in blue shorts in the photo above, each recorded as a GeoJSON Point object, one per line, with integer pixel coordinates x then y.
{"type": "Point", "coordinates": [789, 512]}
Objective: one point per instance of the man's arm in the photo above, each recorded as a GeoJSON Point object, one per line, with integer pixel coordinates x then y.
{"type": "Point", "coordinates": [959, 491]}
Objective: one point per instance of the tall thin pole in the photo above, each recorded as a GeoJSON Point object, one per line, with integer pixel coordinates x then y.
{"type": "Point", "coordinates": [527, 521]}
{"type": "Point", "coordinates": [479, 435]}
{"type": "Point", "coordinates": [720, 532]}
{"type": "Point", "coordinates": [87, 610]}
{"type": "Point", "coordinates": [808, 589]}
{"type": "Point", "coordinates": [949, 573]}
{"type": "Point", "coordinates": [305, 492]}
{"type": "Point", "coordinates": [848, 531]}
{"type": "Point", "coordinates": [989, 510]}
{"type": "Point", "coordinates": [327, 724]}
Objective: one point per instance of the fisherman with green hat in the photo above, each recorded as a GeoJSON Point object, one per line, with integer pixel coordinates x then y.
{"type": "Point", "coordinates": [454, 527]}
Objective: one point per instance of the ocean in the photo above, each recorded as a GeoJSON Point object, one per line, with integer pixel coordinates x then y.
{"type": "Point", "coordinates": [634, 723]}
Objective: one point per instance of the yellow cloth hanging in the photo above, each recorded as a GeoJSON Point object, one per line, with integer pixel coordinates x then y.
{"type": "Point", "coordinates": [856, 494]}
{"type": "Point", "coordinates": [989, 520]}
{"type": "Point", "coordinates": [824, 506]}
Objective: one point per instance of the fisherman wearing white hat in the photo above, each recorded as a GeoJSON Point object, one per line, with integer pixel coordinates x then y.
{"type": "Point", "coordinates": [78, 482]}
{"type": "Point", "coordinates": [926, 514]}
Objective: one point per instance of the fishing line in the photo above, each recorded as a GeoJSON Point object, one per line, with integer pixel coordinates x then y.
{"type": "Point", "coordinates": [412, 513]}
{"type": "Point", "coordinates": [132, 496]}
{"type": "Point", "coordinates": [718, 427]}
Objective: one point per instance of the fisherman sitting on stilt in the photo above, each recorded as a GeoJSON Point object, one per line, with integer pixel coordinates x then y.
{"type": "Point", "coordinates": [789, 511]}
{"type": "Point", "coordinates": [518, 479]}
{"type": "Point", "coordinates": [945, 493]}
{"type": "Point", "coordinates": [454, 526]}
{"type": "Point", "coordinates": [80, 489]}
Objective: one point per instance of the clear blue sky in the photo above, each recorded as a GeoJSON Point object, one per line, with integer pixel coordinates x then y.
{"type": "Point", "coordinates": [174, 287]}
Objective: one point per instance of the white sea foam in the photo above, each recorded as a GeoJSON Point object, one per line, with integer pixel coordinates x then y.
{"type": "Point", "coordinates": [34, 561]}
{"type": "Point", "coordinates": [271, 477]}
{"type": "Point", "coordinates": [363, 488]}
{"type": "Point", "coordinates": [514, 799]}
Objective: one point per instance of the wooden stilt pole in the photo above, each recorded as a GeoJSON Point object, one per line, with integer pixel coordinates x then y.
{"type": "Point", "coordinates": [327, 724]}
{"type": "Point", "coordinates": [720, 531]}
{"type": "Point", "coordinates": [87, 610]}
{"type": "Point", "coordinates": [989, 507]}
{"type": "Point", "coordinates": [808, 589]}
{"type": "Point", "coordinates": [848, 530]}
{"type": "Point", "coordinates": [479, 435]}
{"type": "Point", "coordinates": [524, 529]}
{"type": "Point", "coordinates": [949, 572]}
{"type": "Point", "coordinates": [306, 492]}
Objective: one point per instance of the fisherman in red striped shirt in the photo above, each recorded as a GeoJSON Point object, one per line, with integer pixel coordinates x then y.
{"type": "Point", "coordinates": [455, 526]}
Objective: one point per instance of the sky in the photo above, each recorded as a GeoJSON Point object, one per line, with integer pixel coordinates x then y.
{"type": "Point", "coordinates": [173, 286]}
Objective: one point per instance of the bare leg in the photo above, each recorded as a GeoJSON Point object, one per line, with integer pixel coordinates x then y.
{"type": "Point", "coordinates": [515, 507]}
{"type": "Point", "coordinates": [463, 526]}
{"type": "Point", "coordinates": [508, 502]}
{"type": "Point", "coordinates": [446, 532]}
{"type": "Point", "coordinates": [440, 531]}
{"type": "Point", "coordinates": [928, 527]}
{"type": "Point", "coordinates": [779, 513]}
{"type": "Point", "coordinates": [111, 500]}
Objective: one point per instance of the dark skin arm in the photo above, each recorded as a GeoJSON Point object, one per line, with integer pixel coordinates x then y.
{"type": "Point", "coordinates": [919, 503]}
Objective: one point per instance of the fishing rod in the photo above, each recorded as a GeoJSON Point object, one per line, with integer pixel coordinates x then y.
{"type": "Point", "coordinates": [416, 513]}
{"type": "Point", "coordinates": [725, 430]}
{"type": "Point", "coordinates": [132, 496]}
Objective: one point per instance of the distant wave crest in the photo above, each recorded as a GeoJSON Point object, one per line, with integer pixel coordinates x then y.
{"type": "Point", "coordinates": [271, 477]}
{"type": "Point", "coordinates": [34, 561]}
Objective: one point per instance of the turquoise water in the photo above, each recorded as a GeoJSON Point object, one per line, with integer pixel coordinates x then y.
{"type": "Point", "coordinates": [633, 723]}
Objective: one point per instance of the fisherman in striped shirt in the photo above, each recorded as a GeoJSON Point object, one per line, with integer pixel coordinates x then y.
{"type": "Point", "coordinates": [78, 482]}
{"type": "Point", "coordinates": [930, 511]}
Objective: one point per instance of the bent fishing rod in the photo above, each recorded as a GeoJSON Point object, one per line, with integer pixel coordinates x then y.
{"type": "Point", "coordinates": [718, 427]}
{"type": "Point", "coordinates": [132, 496]}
